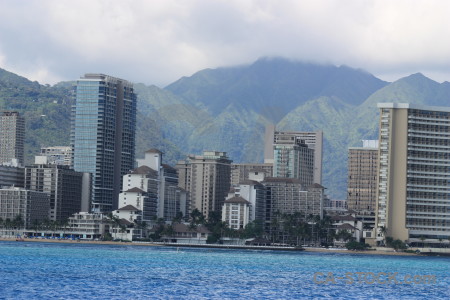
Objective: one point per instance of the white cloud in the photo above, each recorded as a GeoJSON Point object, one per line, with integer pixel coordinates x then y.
{"type": "Point", "coordinates": [156, 42]}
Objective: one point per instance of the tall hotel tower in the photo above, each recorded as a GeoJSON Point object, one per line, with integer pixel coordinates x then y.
{"type": "Point", "coordinates": [103, 135]}
{"type": "Point", "coordinates": [362, 177]}
{"type": "Point", "coordinates": [294, 154]}
{"type": "Point", "coordinates": [207, 178]}
{"type": "Point", "coordinates": [413, 197]}
{"type": "Point", "coordinates": [12, 136]}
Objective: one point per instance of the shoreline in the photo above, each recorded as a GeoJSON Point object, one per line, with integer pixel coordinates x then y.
{"type": "Point", "coordinates": [149, 244]}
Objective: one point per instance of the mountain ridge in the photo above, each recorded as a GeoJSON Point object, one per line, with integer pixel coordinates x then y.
{"type": "Point", "coordinates": [188, 117]}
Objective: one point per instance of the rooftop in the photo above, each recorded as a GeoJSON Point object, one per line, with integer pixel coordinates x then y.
{"type": "Point", "coordinates": [237, 199]}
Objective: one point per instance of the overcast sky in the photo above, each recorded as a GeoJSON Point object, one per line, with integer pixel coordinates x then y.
{"type": "Point", "coordinates": [157, 42]}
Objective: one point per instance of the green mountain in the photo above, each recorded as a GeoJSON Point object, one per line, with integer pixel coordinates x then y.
{"type": "Point", "coordinates": [227, 109]}
{"type": "Point", "coordinates": [46, 110]}
{"type": "Point", "coordinates": [273, 87]}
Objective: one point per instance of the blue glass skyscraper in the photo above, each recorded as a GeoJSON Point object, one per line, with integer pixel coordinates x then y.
{"type": "Point", "coordinates": [103, 135]}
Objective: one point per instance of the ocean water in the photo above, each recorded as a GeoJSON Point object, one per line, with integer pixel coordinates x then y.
{"type": "Point", "coordinates": [30, 270]}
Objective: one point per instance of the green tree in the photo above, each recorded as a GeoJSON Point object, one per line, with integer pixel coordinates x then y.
{"type": "Point", "coordinates": [36, 225]}
{"type": "Point", "coordinates": [422, 238]}
{"type": "Point", "coordinates": [354, 245]}
{"type": "Point", "coordinates": [398, 245]}
{"type": "Point", "coordinates": [18, 222]}
{"type": "Point", "coordinates": [275, 226]}
{"type": "Point", "coordinates": [389, 241]}
{"type": "Point", "coordinates": [383, 231]}
{"type": "Point", "coordinates": [142, 226]}
{"type": "Point", "coordinates": [169, 231]}
{"type": "Point", "coordinates": [7, 223]}
{"type": "Point", "coordinates": [197, 217]}
{"type": "Point", "coordinates": [253, 229]}
{"type": "Point", "coordinates": [344, 235]}
{"type": "Point", "coordinates": [178, 217]}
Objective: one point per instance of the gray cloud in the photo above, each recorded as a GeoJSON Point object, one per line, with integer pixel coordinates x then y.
{"type": "Point", "coordinates": [156, 42]}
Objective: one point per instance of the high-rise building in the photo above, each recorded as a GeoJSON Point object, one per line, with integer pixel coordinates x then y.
{"type": "Point", "coordinates": [64, 185]}
{"type": "Point", "coordinates": [413, 173]}
{"type": "Point", "coordinates": [207, 180]}
{"type": "Point", "coordinates": [12, 137]}
{"type": "Point", "coordinates": [289, 196]}
{"type": "Point", "coordinates": [287, 139]}
{"type": "Point", "coordinates": [294, 160]}
{"type": "Point", "coordinates": [30, 205]}
{"type": "Point", "coordinates": [362, 178]}
{"type": "Point", "coordinates": [103, 135]}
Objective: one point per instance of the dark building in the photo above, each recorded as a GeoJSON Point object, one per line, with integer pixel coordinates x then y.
{"type": "Point", "coordinates": [64, 185]}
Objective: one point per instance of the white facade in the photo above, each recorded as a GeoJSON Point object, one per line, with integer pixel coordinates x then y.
{"type": "Point", "coordinates": [128, 217]}
{"type": "Point", "coordinates": [153, 189]}
{"type": "Point", "coordinates": [236, 212]}
{"type": "Point", "coordinates": [87, 225]}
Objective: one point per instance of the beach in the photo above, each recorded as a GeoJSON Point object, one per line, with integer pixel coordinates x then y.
{"type": "Point", "coordinates": [388, 251]}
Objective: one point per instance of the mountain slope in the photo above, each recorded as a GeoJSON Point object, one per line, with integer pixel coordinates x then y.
{"type": "Point", "coordinates": [46, 110]}
{"type": "Point", "coordinates": [273, 87]}
{"type": "Point", "coordinates": [331, 116]}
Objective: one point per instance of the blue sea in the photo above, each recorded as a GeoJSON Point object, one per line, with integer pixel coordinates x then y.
{"type": "Point", "coordinates": [30, 270]}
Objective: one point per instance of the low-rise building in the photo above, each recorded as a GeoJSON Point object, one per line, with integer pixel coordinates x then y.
{"type": "Point", "coordinates": [127, 228]}
{"type": "Point", "coordinates": [12, 176]}
{"type": "Point", "coordinates": [184, 234]}
{"type": "Point", "coordinates": [30, 205]}
{"type": "Point", "coordinates": [348, 223]}
{"type": "Point", "coordinates": [86, 225]}
{"type": "Point", "coordinates": [236, 212]}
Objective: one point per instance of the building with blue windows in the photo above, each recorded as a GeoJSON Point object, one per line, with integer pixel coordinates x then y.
{"type": "Point", "coordinates": [103, 135]}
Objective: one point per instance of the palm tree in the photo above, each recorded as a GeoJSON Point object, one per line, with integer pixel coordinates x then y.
{"type": "Point", "coordinates": [122, 230]}
{"type": "Point", "coordinates": [18, 222]}
{"type": "Point", "coordinates": [275, 225]}
{"type": "Point", "coordinates": [422, 238]}
{"type": "Point", "coordinates": [63, 225]}
{"type": "Point", "coordinates": [36, 225]}
{"type": "Point", "coordinates": [197, 217]}
{"type": "Point", "coordinates": [383, 231]}
{"type": "Point", "coordinates": [324, 226]}
{"type": "Point", "coordinates": [113, 220]}
{"type": "Point", "coordinates": [142, 226]}
{"type": "Point", "coordinates": [7, 223]}
{"type": "Point", "coordinates": [178, 217]}
{"type": "Point", "coordinates": [169, 231]}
